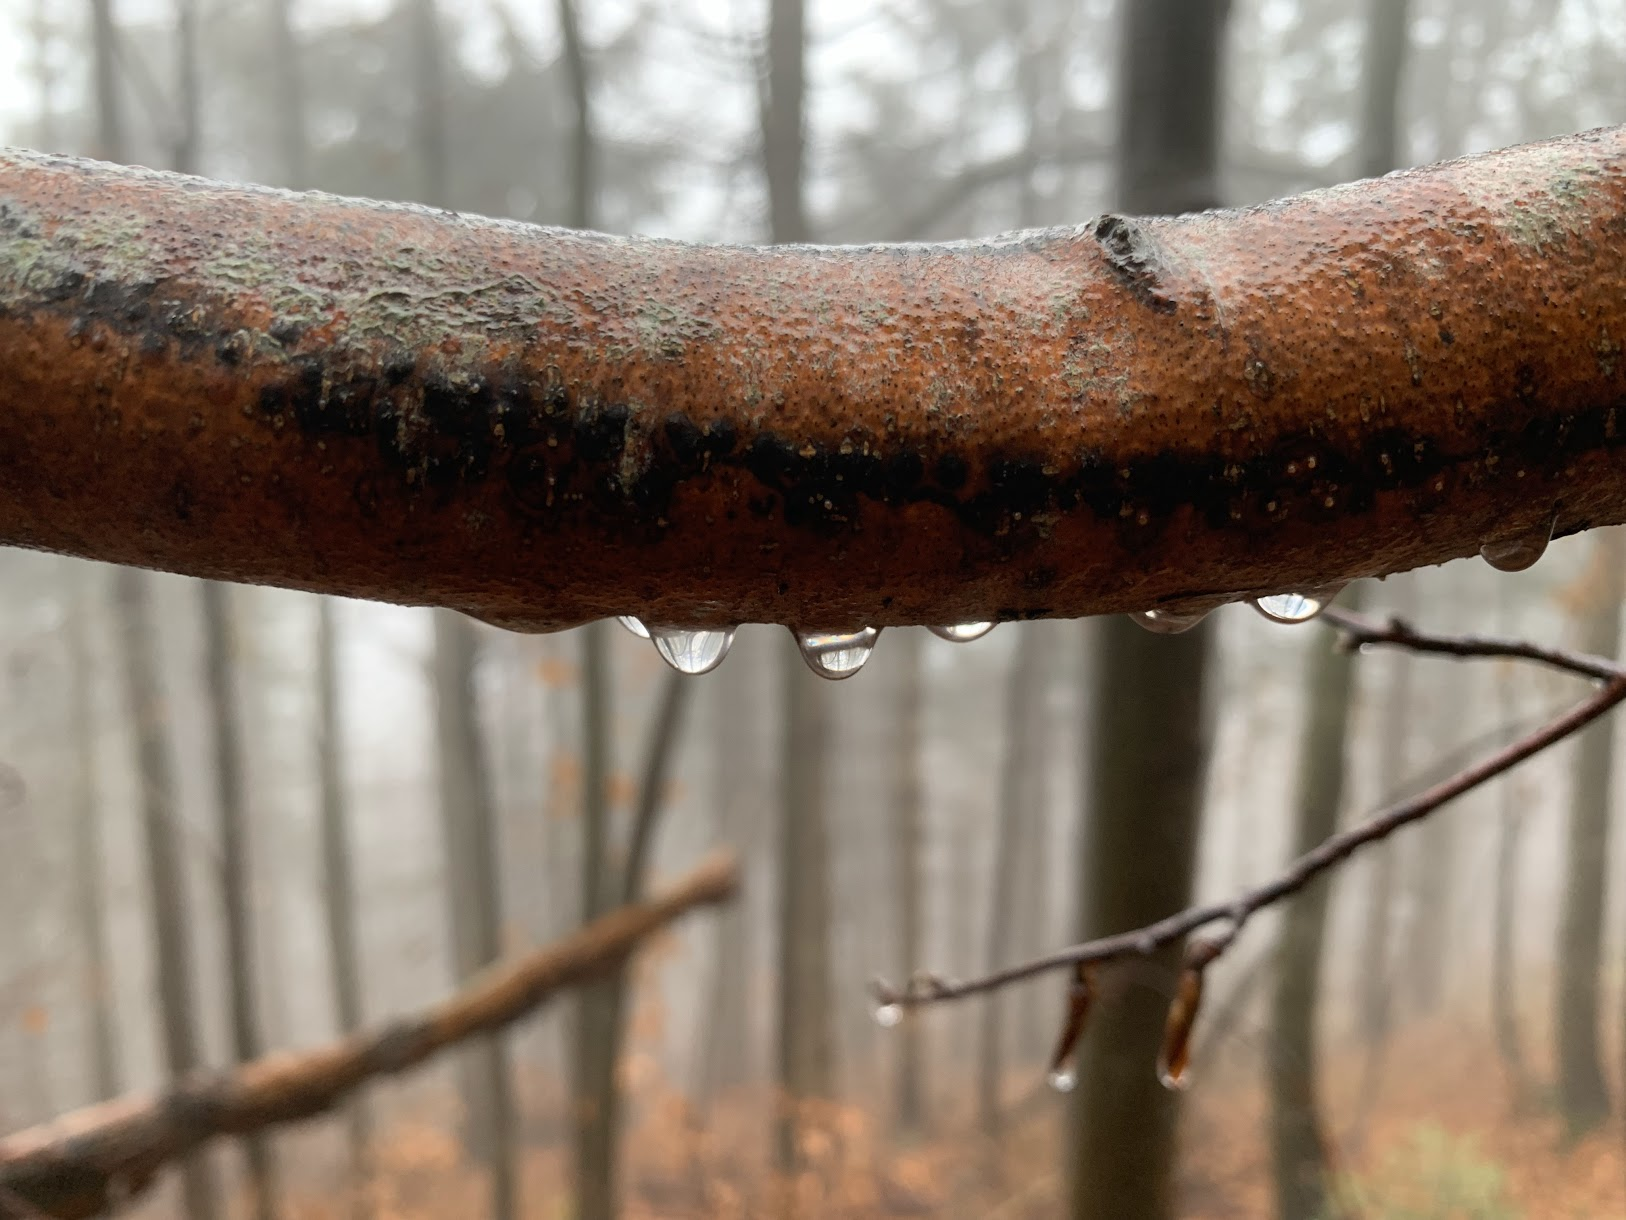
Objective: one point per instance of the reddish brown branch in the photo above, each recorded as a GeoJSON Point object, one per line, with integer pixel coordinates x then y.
{"type": "Point", "coordinates": [82, 1163]}
{"type": "Point", "coordinates": [544, 427]}
{"type": "Point", "coordinates": [1232, 915]}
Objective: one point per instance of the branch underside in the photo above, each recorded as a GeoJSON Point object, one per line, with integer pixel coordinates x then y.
{"type": "Point", "coordinates": [89, 1161]}
{"type": "Point", "coordinates": [543, 427]}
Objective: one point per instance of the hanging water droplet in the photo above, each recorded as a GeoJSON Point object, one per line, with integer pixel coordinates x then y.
{"type": "Point", "coordinates": [1062, 1080]}
{"type": "Point", "coordinates": [962, 633]}
{"type": "Point", "coordinates": [1517, 554]}
{"type": "Point", "coordinates": [692, 650]}
{"type": "Point", "coordinates": [888, 1015]}
{"type": "Point", "coordinates": [634, 625]}
{"type": "Point", "coordinates": [837, 654]}
{"type": "Point", "coordinates": [1168, 622]}
{"type": "Point", "coordinates": [1295, 607]}
{"type": "Point", "coordinates": [1175, 1082]}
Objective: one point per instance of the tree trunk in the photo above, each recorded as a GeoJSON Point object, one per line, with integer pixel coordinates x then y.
{"type": "Point", "coordinates": [1149, 742]}
{"type": "Point", "coordinates": [596, 1102]}
{"type": "Point", "coordinates": [909, 1107]}
{"type": "Point", "coordinates": [1504, 958]}
{"type": "Point", "coordinates": [236, 871]}
{"type": "Point", "coordinates": [1020, 822]}
{"type": "Point", "coordinates": [1298, 1139]}
{"type": "Point", "coordinates": [339, 883]}
{"type": "Point", "coordinates": [469, 833]}
{"type": "Point", "coordinates": [289, 96]}
{"type": "Point", "coordinates": [90, 905]}
{"type": "Point", "coordinates": [166, 870]}
{"type": "Point", "coordinates": [104, 72]}
{"type": "Point", "coordinates": [1583, 1093]}
{"type": "Point", "coordinates": [805, 1022]}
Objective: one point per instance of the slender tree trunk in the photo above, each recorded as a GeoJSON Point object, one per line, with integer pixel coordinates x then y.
{"type": "Point", "coordinates": [726, 1034]}
{"type": "Point", "coordinates": [907, 841]}
{"type": "Point", "coordinates": [583, 143]}
{"type": "Point", "coordinates": [806, 1032]}
{"type": "Point", "coordinates": [104, 71]}
{"type": "Point", "coordinates": [1504, 1010]}
{"type": "Point", "coordinates": [1019, 821]}
{"type": "Point", "coordinates": [1377, 972]}
{"type": "Point", "coordinates": [236, 873]}
{"type": "Point", "coordinates": [339, 882]}
{"type": "Point", "coordinates": [1149, 741]}
{"type": "Point", "coordinates": [1583, 1093]}
{"type": "Point", "coordinates": [188, 135]}
{"type": "Point", "coordinates": [596, 1101]}
{"type": "Point", "coordinates": [166, 871]}
{"type": "Point", "coordinates": [289, 95]}
{"type": "Point", "coordinates": [89, 902]}
{"type": "Point", "coordinates": [1298, 1139]}
{"type": "Point", "coordinates": [44, 75]}
{"type": "Point", "coordinates": [469, 830]}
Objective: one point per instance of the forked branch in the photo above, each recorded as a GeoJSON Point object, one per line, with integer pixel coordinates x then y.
{"type": "Point", "coordinates": [1227, 919]}
{"type": "Point", "coordinates": [88, 1161]}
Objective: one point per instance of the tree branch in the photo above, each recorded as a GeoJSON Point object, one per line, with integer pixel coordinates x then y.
{"type": "Point", "coordinates": [84, 1162]}
{"type": "Point", "coordinates": [543, 427]}
{"type": "Point", "coordinates": [1233, 915]}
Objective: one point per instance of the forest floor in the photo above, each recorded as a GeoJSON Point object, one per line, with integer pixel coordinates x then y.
{"type": "Point", "coordinates": [1442, 1141]}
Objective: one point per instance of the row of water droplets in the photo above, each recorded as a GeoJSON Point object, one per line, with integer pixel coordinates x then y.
{"type": "Point", "coordinates": [830, 654]}
{"type": "Point", "coordinates": [841, 654]}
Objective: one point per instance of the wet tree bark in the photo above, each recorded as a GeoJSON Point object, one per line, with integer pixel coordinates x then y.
{"type": "Point", "coordinates": [1148, 747]}
{"type": "Point", "coordinates": [1583, 1092]}
{"type": "Point", "coordinates": [1298, 1140]}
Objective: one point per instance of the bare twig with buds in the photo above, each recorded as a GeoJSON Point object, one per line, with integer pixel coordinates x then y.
{"type": "Point", "coordinates": [1228, 918]}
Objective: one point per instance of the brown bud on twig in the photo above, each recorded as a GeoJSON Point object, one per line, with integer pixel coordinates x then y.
{"type": "Point", "coordinates": [1175, 1057]}
{"type": "Point", "coordinates": [1079, 996]}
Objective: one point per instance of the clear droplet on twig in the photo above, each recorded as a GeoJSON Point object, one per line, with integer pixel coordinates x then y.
{"type": "Point", "coordinates": [1295, 607]}
{"type": "Point", "coordinates": [692, 650]}
{"type": "Point", "coordinates": [962, 633]}
{"type": "Point", "coordinates": [1168, 621]}
{"type": "Point", "coordinates": [888, 1015]}
{"type": "Point", "coordinates": [634, 625]}
{"type": "Point", "coordinates": [837, 654]}
{"type": "Point", "coordinates": [1518, 553]}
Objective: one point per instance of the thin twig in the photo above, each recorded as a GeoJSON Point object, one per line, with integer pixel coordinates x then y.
{"type": "Point", "coordinates": [1359, 631]}
{"type": "Point", "coordinates": [1142, 942]}
{"type": "Point", "coordinates": [75, 1165]}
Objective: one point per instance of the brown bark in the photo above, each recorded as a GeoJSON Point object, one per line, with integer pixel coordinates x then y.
{"type": "Point", "coordinates": [75, 1165]}
{"type": "Point", "coordinates": [545, 427]}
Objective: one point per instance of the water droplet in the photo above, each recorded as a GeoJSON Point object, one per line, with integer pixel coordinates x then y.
{"type": "Point", "coordinates": [837, 654]}
{"type": "Point", "coordinates": [1174, 1081]}
{"type": "Point", "coordinates": [1295, 607]}
{"type": "Point", "coordinates": [888, 1015]}
{"type": "Point", "coordinates": [1168, 622]}
{"type": "Point", "coordinates": [634, 625]}
{"type": "Point", "coordinates": [1062, 1080]}
{"type": "Point", "coordinates": [692, 650]}
{"type": "Point", "coordinates": [962, 633]}
{"type": "Point", "coordinates": [1517, 554]}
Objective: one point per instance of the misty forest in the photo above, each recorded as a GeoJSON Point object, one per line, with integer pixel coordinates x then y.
{"type": "Point", "coordinates": [238, 820]}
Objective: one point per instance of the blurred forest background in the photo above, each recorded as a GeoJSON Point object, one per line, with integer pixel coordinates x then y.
{"type": "Point", "coordinates": [239, 819]}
